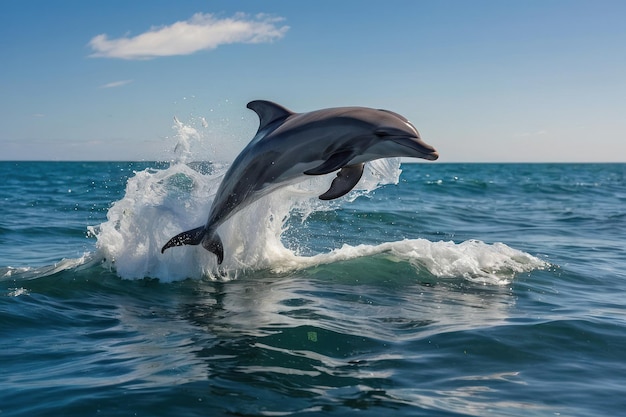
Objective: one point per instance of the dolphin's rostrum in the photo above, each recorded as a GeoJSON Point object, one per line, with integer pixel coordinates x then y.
{"type": "Point", "coordinates": [289, 145]}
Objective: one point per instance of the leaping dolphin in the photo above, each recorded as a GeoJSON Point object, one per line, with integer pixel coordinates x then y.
{"type": "Point", "coordinates": [289, 145]}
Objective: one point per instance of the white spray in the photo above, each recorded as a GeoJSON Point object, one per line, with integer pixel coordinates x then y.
{"type": "Point", "coordinates": [160, 203]}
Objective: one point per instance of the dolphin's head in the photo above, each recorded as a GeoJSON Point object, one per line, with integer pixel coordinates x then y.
{"type": "Point", "coordinates": [400, 137]}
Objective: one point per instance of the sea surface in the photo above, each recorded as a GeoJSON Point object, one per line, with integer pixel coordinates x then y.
{"type": "Point", "coordinates": [436, 289]}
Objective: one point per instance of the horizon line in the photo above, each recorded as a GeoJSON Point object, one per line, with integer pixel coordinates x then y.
{"type": "Point", "coordinates": [402, 162]}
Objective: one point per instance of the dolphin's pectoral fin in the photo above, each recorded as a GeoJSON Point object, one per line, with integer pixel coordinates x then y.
{"type": "Point", "coordinates": [346, 179]}
{"type": "Point", "coordinates": [190, 237]}
{"type": "Point", "coordinates": [213, 244]}
{"type": "Point", "coordinates": [336, 161]}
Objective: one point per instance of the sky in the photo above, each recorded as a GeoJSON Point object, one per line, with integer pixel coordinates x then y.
{"type": "Point", "coordinates": [482, 80]}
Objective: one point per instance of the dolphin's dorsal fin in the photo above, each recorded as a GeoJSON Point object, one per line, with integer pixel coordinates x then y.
{"type": "Point", "coordinates": [268, 112]}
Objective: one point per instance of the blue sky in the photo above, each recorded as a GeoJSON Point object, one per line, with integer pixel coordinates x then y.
{"type": "Point", "coordinates": [483, 81]}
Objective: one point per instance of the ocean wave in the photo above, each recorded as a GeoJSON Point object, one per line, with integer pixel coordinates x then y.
{"type": "Point", "coordinates": [88, 260]}
{"type": "Point", "coordinates": [160, 203]}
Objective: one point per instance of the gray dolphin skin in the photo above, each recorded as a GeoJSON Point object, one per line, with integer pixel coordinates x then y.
{"type": "Point", "coordinates": [289, 146]}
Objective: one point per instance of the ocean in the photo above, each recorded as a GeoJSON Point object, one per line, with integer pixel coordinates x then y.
{"type": "Point", "coordinates": [436, 289]}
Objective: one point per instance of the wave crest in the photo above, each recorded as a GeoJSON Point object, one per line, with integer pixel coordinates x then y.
{"type": "Point", "coordinates": [161, 203]}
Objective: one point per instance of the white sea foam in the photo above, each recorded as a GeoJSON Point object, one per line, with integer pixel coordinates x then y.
{"type": "Point", "coordinates": [473, 260]}
{"type": "Point", "coordinates": [159, 204]}
{"type": "Point", "coordinates": [26, 273]}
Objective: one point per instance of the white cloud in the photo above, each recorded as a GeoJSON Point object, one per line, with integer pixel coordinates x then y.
{"type": "Point", "coordinates": [200, 32]}
{"type": "Point", "coordinates": [116, 84]}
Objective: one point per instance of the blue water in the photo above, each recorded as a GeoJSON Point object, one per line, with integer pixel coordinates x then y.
{"type": "Point", "coordinates": [462, 290]}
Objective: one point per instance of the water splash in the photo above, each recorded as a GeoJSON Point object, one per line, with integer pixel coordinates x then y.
{"type": "Point", "coordinates": [159, 204]}
{"type": "Point", "coordinates": [185, 134]}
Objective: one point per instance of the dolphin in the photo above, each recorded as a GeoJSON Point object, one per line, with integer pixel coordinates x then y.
{"type": "Point", "coordinates": [289, 146]}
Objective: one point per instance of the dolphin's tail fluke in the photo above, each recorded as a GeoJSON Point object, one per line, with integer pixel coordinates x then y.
{"type": "Point", "coordinates": [213, 244]}
{"type": "Point", "coordinates": [190, 237]}
{"type": "Point", "coordinates": [210, 241]}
